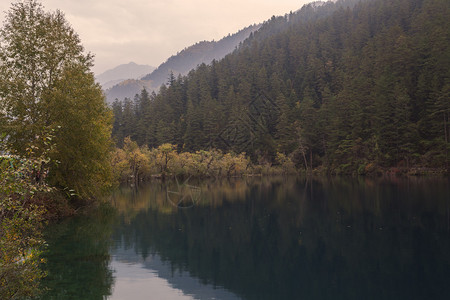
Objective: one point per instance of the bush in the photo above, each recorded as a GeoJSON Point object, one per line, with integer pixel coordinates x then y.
{"type": "Point", "coordinates": [21, 221]}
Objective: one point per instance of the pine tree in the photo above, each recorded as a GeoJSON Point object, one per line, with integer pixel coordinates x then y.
{"type": "Point", "coordinates": [117, 128]}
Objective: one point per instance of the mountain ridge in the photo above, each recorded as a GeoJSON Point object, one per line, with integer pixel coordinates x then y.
{"type": "Point", "coordinates": [122, 72]}
{"type": "Point", "coordinates": [180, 64]}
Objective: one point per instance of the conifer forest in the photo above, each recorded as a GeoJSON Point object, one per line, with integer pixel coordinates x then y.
{"type": "Point", "coordinates": [345, 87]}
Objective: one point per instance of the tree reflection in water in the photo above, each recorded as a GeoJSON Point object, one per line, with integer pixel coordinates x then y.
{"type": "Point", "coordinates": [299, 239]}
{"type": "Point", "coordinates": [78, 257]}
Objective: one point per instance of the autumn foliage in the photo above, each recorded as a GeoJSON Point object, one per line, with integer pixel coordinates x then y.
{"type": "Point", "coordinates": [133, 163]}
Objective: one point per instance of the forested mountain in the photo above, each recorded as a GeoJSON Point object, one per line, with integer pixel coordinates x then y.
{"type": "Point", "coordinates": [181, 63]}
{"type": "Point", "coordinates": [121, 73]}
{"type": "Point", "coordinates": [126, 88]}
{"type": "Point", "coordinates": [202, 52]}
{"type": "Point", "coordinates": [347, 86]}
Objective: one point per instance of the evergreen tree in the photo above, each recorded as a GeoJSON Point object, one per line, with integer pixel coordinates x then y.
{"type": "Point", "coordinates": [117, 129]}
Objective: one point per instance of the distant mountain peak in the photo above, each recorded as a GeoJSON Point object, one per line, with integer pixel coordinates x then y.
{"type": "Point", "coordinates": [181, 63]}
{"type": "Point", "coordinates": [122, 72]}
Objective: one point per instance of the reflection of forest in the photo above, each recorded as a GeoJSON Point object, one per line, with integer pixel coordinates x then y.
{"type": "Point", "coordinates": [78, 257]}
{"type": "Point", "coordinates": [297, 239]}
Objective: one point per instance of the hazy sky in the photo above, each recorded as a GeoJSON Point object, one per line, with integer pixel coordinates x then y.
{"type": "Point", "coordinates": [150, 31]}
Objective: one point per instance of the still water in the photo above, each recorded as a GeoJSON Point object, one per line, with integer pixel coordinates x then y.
{"type": "Point", "coordinates": [258, 238]}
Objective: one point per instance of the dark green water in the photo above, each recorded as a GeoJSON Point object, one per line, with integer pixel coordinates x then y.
{"type": "Point", "coordinates": [284, 238]}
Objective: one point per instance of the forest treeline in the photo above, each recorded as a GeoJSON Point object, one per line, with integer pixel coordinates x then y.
{"type": "Point", "coordinates": [344, 87]}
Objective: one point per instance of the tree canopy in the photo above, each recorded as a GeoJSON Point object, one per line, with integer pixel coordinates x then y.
{"type": "Point", "coordinates": [46, 85]}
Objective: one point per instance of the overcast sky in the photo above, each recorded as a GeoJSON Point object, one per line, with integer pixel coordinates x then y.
{"type": "Point", "coordinates": [150, 31]}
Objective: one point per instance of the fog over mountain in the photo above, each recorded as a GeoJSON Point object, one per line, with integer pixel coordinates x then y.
{"type": "Point", "coordinates": [123, 72]}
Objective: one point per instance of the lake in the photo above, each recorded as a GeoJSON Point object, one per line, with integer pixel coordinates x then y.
{"type": "Point", "coordinates": [258, 238]}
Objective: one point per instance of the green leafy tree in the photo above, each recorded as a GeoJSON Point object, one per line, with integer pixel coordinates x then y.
{"type": "Point", "coordinates": [46, 83]}
{"type": "Point", "coordinates": [83, 140]}
{"type": "Point", "coordinates": [21, 221]}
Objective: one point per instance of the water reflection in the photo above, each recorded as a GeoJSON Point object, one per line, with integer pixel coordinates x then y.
{"type": "Point", "coordinates": [78, 257]}
{"type": "Point", "coordinates": [136, 282]}
{"type": "Point", "coordinates": [278, 238]}
{"type": "Point", "coordinates": [296, 239]}
{"type": "Point", "coordinates": [152, 278]}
